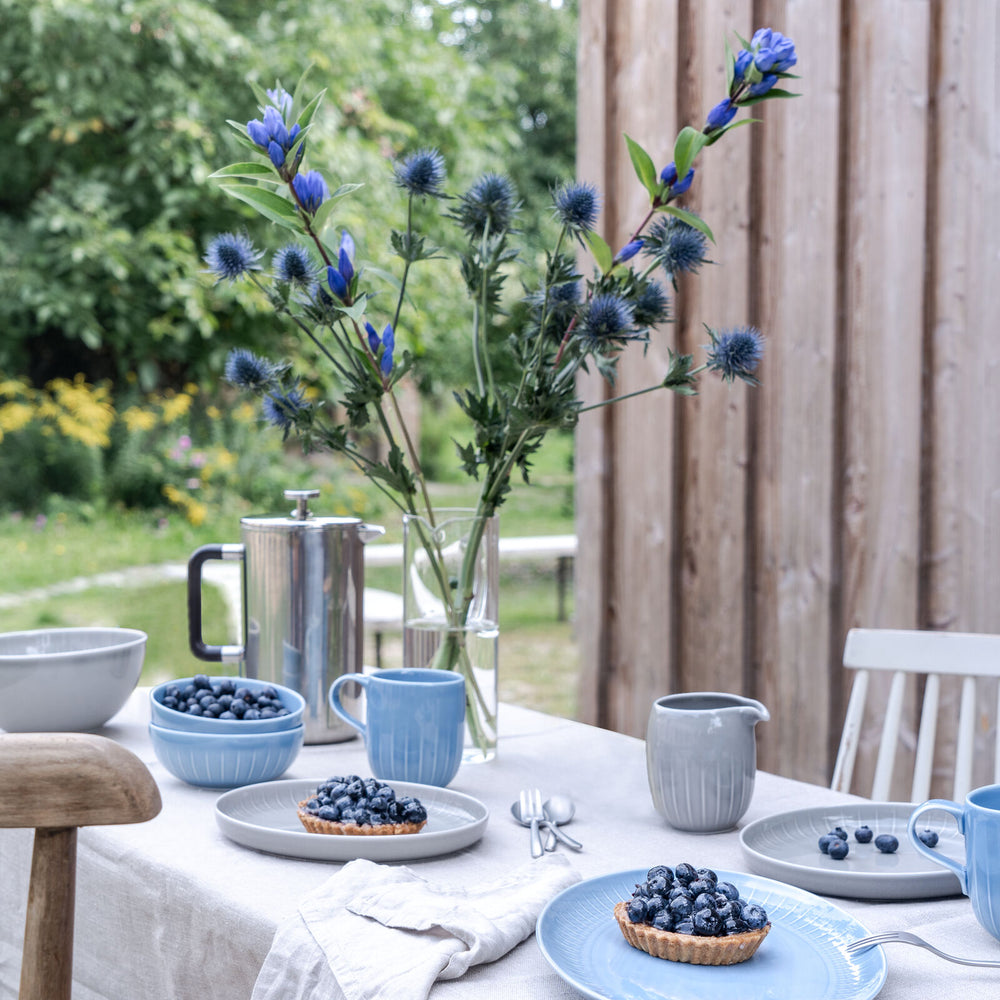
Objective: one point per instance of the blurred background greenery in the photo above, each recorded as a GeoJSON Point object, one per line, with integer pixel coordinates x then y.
{"type": "Point", "coordinates": [119, 444]}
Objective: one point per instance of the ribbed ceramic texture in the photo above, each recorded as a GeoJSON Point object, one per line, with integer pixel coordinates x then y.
{"type": "Point", "coordinates": [802, 957]}
{"type": "Point", "coordinates": [702, 792]}
{"type": "Point", "coordinates": [224, 760]}
{"type": "Point", "coordinates": [171, 719]}
{"type": "Point", "coordinates": [67, 679]}
{"type": "Point", "coordinates": [264, 817]}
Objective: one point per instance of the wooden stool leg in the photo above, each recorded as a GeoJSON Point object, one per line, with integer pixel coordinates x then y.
{"type": "Point", "coordinates": [47, 962]}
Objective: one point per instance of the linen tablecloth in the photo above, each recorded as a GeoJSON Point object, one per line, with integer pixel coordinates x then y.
{"type": "Point", "coordinates": [171, 909]}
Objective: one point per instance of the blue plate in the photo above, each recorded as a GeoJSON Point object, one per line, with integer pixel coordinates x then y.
{"type": "Point", "coordinates": [802, 956]}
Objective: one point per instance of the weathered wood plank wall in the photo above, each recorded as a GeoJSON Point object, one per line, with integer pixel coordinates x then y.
{"type": "Point", "coordinates": [728, 542]}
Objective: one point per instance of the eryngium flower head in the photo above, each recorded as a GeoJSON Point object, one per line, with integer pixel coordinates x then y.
{"type": "Point", "coordinates": [293, 265]}
{"type": "Point", "coordinates": [421, 173]}
{"type": "Point", "coordinates": [676, 246]}
{"type": "Point", "coordinates": [652, 305]}
{"type": "Point", "coordinates": [282, 408]}
{"type": "Point", "coordinates": [609, 317]}
{"type": "Point", "coordinates": [735, 353]}
{"type": "Point", "coordinates": [488, 206]}
{"type": "Point", "coordinates": [577, 206]}
{"type": "Point", "coordinates": [232, 256]}
{"type": "Point", "coordinates": [248, 371]}
{"type": "Point", "coordinates": [311, 189]}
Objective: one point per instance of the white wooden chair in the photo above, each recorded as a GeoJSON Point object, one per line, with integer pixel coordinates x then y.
{"type": "Point", "coordinates": [55, 783]}
{"type": "Point", "coordinates": [905, 653]}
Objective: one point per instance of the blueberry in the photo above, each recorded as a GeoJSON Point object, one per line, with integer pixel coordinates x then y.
{"type": "Point", "coordinates": [228, 686]}
{"type": "Point", "coordinates": [329, 813]}
{"type": "Point", "coordinates": [838, 849]}
{"type": "Point", "coordinates": [251, 714]}
{"type": "Point", "coordinates": [839, 832]}
{"type": "Point", "coordinates": [708, 875]}
{"type": "Point", "coordinates": [237, 708]}
{"type": "Point", "coordinates": [929, 837]}
{"type": "Point", "coordinates": [726, 909]}
{"type": "Point", "coordinates": [704, 901]}
{"type": "Point", "coordinates": [654, 904]}
{"type": "Point", "coordinates": [637, 910]}
{"type": "Point", "coordinates": [754, 916]}
{"type": "Point", "coordinates": [663, 921]}
{"type": "Point", "coordinates": [681, 906]}
{"type": "Point", "coordinates": [684, 926]}
{"type": "Point", "coordinates": [195, 710]}
{"type": "Point", "coordinates": [825, 841]}
{"type": "Point", "coordinates": [886, 843]}
{"type": "Point", "coordinates": [657, 884]}
{"type": "Point", "coordinates": [227, 715]}
{"type": "Point", "coordinates": [733, 925]}
{"type": "Point", "coordinates": [700, 885]}
{"type": "Point", "coordinates": [660, 871]}
{"type": "Point", "coordinates": [244, 694]}
{"type": "Point", "coordinates": [863, 835]}
{"type": "Point", "coordinates": [170, 701]}
{"type": "Point", "coordinates": [201, 681]}
{"type": "Point", "coordinates": [680, 890]}
{"type": "Point", "coordinates": [728, 890]}
{"type": "Point", "coordinates": [706, 922]}
{"type": "Point", "coordinates": [685, 873]}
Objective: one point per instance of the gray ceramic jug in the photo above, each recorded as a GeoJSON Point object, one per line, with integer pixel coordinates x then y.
{"type": "Point", "coordinates": [701, 758]}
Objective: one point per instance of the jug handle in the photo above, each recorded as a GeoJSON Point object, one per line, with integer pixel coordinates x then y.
{"type": "Point", "coordinates": [203, 651]}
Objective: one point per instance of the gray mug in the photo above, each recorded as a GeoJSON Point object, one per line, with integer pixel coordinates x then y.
{"type": "Point", "coordinates": [701, 758]}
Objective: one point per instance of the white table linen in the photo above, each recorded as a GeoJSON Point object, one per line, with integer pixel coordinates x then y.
{"type": "Point", "coordinates": [172, 909]}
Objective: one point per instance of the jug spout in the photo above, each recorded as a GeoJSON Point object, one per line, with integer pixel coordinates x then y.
{"type": "Point", "coordinates": [369, 532]}
{"type": "Point", "coordinates": [754, 712]}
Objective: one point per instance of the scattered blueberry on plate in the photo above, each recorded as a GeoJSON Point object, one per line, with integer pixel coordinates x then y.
{"type": "Point", "coordinates": [929, 837]}
{"type": "Point", "coordinates": [886, 843]}
{"type": "Point", "coordinates": [863, 835]}
{"type": "Point", "coordinates": [838, 849]}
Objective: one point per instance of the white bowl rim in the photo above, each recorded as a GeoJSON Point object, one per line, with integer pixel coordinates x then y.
{"type": "Point", "coordinates": [184, 735]}
{"type": "Point", "coordinates": [121, 638]}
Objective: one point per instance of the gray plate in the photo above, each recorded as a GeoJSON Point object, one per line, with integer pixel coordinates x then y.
{"type": "Point", "coordinates": [784, 847]}
{"type": "Point", "coordinates": [264, 817]}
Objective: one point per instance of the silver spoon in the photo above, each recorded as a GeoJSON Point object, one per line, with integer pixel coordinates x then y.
{"type": "Point", "coordinates": [558, 810]}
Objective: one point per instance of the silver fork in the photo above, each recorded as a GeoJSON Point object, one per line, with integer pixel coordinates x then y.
{"type": "Point", "coordinates": [904, 937]}
{"type": "Point", "coordinates": [531, 813]}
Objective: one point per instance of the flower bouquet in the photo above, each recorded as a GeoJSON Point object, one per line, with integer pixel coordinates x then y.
{"type": "Point", "coordinates": [574, 318]}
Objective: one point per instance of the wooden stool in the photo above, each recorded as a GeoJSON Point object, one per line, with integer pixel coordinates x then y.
{"type": "Point", "coordinates": [55, 783]}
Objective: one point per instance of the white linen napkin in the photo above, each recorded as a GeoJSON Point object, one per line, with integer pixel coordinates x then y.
{"type": "Point", "coordinates": [373, 931]}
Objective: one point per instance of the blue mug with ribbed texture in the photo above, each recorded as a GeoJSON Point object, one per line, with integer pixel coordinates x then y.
{"type": "Point", "coordinates": [978, 821]}
{"type": "Point", "coordinates": [415, 722]}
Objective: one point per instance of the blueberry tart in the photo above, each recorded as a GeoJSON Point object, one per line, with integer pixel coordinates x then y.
{"type": "Point", "coordinates": [365, 807]}
{"type": "Point", "coordinates": [685, 914]}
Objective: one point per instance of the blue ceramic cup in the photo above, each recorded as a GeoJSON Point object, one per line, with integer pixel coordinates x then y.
{"type": "Point", "coordinates": [415, 722]}
{"type": "Point", "coordinates": [979, 822]}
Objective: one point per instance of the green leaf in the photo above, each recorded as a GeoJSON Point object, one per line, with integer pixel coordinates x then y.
{"type": "Point", "coordinates": [306, 115]}
{"type": "Point", "coordinates": [730, 68]}
{"type": "Point", "coordinates": [272, 206]}
{"type": "Point", "coordinates": [258, 171]}
{"type": "Point", "coordinates": [645, 169]}
{"type": "Point", "coordinates": [687, 146]}
{"type": "Point", "coordinates": [716, 136]}
{"type": "Point", "coordinates": [690, 218]}
{"type": "Point", "coordinates": [603, 255]}
{"type": "Point", "coordinates": [774, 92]}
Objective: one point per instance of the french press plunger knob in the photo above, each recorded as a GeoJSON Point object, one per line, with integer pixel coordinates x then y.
{"type": "Point", "coordinates": [301, 498]}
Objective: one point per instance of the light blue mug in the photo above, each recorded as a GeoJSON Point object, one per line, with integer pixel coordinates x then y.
{"type": "Point", "coordinates": [979, 822]}
{"type": "Point", "coordinates": [415, 726]}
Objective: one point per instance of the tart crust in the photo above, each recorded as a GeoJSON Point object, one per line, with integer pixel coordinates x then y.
{"type": "Point", "coordinates": [316, 825]}
{"type": "Point", "coordinates": [729, 950]}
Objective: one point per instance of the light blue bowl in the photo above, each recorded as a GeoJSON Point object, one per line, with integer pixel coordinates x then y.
{"type": "Point", "coordinates": [226, 760]}
{"type": "Point", "coordinates": [170, 718]}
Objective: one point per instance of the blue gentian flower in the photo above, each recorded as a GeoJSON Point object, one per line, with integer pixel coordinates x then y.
{"type": "Point", "coordinates": [232, 256]}
{"type": "Point", "coordinates": [735, 353]}
{"type": "Point", "coordinates": [772, 51]}
{"type": "Point", "coordinates": [373, 338]}
{"type": "Point", "coordinates": [675, 188]}
{"type": "Point", "coordinates": [249, 371]}
{"type": "Point", "coordinates": [421, 173]}
{"type": "Point", "coordinates": [743, 61]}
{"type": "Point", "coordinates": [311, 189]}
{"type": "Point", "coordinates": [609, 317]}
{"type": "Point", "coordinates": [272, 134]}
{"type": "Point", "coordinates": [676, 246]}
{"type": "Point", "coordinates": [763, 85]}
{"type": "Point", "coordinates": [293, 265]}
{"type": "Point", "coordinates": [282, 408]}
{"type": "Point", "coordinates": [490, 204]}
{"type": "Point", "coordinates": [281, 99]}
{"type": "Point", "coordinates": [722, 114]}
{"type": "Point", "coordinates": [339, 278]}
{"type": "Point", "coordinates": [386, 344]}
{"type": "Point", "coordinates": [628, 251]}
{"type": "Point", "coordinates": [577, 206]}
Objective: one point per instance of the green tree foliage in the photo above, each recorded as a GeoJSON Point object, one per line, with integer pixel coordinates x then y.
{"type": "Point", "coordinates": [115, 112]}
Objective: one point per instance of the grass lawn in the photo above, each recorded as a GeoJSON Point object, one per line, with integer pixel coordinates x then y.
{"type": "Point", "coordinates": [538, 660]}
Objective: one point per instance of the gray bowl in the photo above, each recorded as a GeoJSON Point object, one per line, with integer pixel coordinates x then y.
{"type": "Point", "coordinates": [67, 679]}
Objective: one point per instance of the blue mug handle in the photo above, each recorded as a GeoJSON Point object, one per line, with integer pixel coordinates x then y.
{"type": "Point", "coordinates": [336, 705]}
{"type": "Point", "coordinates": [911, 829]}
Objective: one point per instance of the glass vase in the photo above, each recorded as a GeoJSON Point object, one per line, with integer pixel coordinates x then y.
{"type": "Point", "coordinates": [451, 611]}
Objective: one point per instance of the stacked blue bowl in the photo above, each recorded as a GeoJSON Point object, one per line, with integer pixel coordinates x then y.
{"type": "Point", "coordinates": [224, 732]}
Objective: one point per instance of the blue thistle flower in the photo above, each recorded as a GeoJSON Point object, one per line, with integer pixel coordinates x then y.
{"type": "Point", "coordinates": [652, 305]}
{"type": "Point", "coordinates": [676, 246]}
{"type": "Point", "coordinates": [293, 265]}
{"type": "Point", "coordinates": [282, 408]}
{"type": "Point", "coordinates": [609, 317]}
{"type": "Point", "coordinates": [248, 371]}
{"type": "Point", "coordinates": [735, 353]}
{"type": "Point", "coordinates": [566, 293]}
{"type": "Point", "coordinates": [421, 173]}
{"type": "Point", "coordinates": [577, 206]}
{"type": "Point", "coordinates": [488, 205]}
{"type": "Point", "coordinates": [232, 256]}
{"type": "Point", "coordinates": [311, 189]}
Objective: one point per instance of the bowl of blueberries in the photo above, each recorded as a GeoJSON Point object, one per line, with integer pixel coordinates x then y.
{"type": "Point", "coordinates": [225, 732]}
{"type": "Point", "coordinates": [67, 679]}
